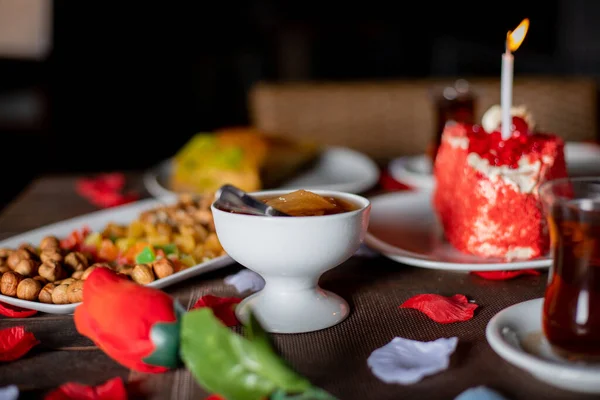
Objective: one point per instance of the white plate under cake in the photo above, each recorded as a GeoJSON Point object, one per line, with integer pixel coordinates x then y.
{"type": "Point", "coordinates": [404, 228]}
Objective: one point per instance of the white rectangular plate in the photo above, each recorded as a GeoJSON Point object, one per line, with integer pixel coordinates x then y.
{"type": "Point", "coordinates": [96, 221]}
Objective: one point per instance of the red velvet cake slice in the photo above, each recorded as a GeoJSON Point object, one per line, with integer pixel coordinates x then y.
{"type": "Point", "coordinates": [486, 189]}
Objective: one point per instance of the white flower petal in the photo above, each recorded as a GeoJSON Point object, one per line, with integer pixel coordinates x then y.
{"type": "Point", "coordinates": [9, 392]}
{"type": "Point", "coordinates": [407, 361]}
{"type": "Point", "coordinates": [479, 393]}
{"type": "Point", "coordinates": [246, 280]}
{"type": "Point", "coordinates": [365, 251]}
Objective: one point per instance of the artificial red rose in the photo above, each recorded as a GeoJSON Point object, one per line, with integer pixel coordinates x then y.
{"type": "Point", "coordinates": [444, 310]}
{"type": "Point", "coordinates": [505, 275]}
{"type": "Point", "coordinates": [222, 307]}
{"type": "Point", "coordinates": [135, 325]}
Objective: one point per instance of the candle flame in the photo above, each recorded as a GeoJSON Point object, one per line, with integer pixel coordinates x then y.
{"type": "Point", "coordinates": [516, 37]}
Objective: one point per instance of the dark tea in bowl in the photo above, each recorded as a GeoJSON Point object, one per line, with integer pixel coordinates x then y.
{"type": "Point", "coordinates": [571, 314]}
{"type": "Point", "coordinates": [322, 229]}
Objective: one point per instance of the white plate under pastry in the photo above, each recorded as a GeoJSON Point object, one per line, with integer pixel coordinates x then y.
{"type": "Point", "coordinates": [416, 171]}
{"type": "Point", "coordinates": [96, 221]}
{"type": "Point", "coordinates": [338, 168]}
{"type": "Point", "coordinates": [515, 333]}
{"type": "Point", "coordinates": [404, 228]}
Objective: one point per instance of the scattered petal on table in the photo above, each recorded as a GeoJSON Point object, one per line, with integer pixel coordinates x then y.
{"type": "Point", "coordinates": [444, 310]}
{"type": "Point", "coordinates": [113, 182]}
{"type": "Point", "coordinates": [110, 199]}
{"type": "Point", "coordinates": [105, 190]}
{"type": "Point", "coordinates": [9, 392]}
{"type": "Point", "coordinates": [15, 343]}
{"type": "Point", "coordinates": [222, 307]}
{"type": "Point", "coordinates": [480, 393]}
{"type": "Point", "coordinates": [246, 281]}
{"type": "Point", "coordinates": [390, 184]}
{"type": "Point", "coordinates": [113, 389]}
{"type": "Point", "coordinates": [407, 361]}
{"type": "Point", "coordinates": [504, 275]}
{"type": "Point", "coordinates": [365, 251]}
{"type": "Point", "coordinates": [15, 312]}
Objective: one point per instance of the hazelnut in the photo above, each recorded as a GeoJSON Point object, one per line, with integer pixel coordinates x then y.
{"type": "Point", "coordinates": [125, 269]}
{"type": "Point", "coordinates": [50, 242]}
{"type": "Point", "coordinates": [75, 292]}
{"type": "Point", "coordinates": [77, 261]}
{"type": "Point", "coordinates": [59, 295]}
{"type": "Point", "coordinates": [66, 281]}
{"type": "Point", "coordinates": [51, 255]}
{"type": "Point", "coordinates": [28, 248]}
{"type": "Point", "coordinates": [45, 295]}
{"type": "Point", "coordinates": [41, 280]}
{"type": "Point", "coordinates": [51, 270]}
{"type": "Point", "coordinates": [163, 267]}
{"type": "Point", "coordinates": [87, 272]}
{"type": "Point", "coordinates": [142, 274]}
{"type": "Point", "coordinates": [4, 252]}
{"type": "Point", "coordinates": [27, 267]}
{"type": "Point", "coordinates": [28, 289]}
{"type": "Point", "coordinates": [77, 274]}
{"type": "Point", "coordinates": [13, 259]}
{"type": "Point", "coordinates": [9, 282]}
{"type": "Point", "coordinates": [4, 268]}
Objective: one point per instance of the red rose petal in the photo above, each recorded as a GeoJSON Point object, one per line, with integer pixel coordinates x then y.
{"type": "Point", "coordinates": [114, 181]}
{"type": "Point", "coordinates": [215, 397]}
{"type": "Point", "coordinates": [15, 312]}
{"type": "Point", "coordinates": [444, 310]}
{"type": "Point", "coordinates": [504, 275]}
{"type": "Point", "coordinates": [223, 307]}
{"type": "Point", "coordinates": [112, 199]}
{"type": "Point", "coordinates": [85, 187]}
{"type": "Point", "coordinates": [113, 389]}
{"type": "Point", "coordinates": [388, 183]}
{"type": "Point", "coordinates": [105, 190]}
{"type": "Point", "coordinates": [15, 343]}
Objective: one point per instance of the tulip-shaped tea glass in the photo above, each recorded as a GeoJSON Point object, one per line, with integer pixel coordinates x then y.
{"type": "Point", "coordinates": [291, 253]}
{"type": "Point", "coordinates": [571, 317]}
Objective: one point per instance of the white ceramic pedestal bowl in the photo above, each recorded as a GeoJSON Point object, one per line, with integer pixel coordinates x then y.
{"type": "Point", "coordinates": [291, 253]}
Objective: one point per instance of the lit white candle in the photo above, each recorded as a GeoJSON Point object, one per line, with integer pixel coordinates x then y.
{"type": "Point", "coordinates": [513, 41]}
{"type": "Point", "coordinates": [506, 93]}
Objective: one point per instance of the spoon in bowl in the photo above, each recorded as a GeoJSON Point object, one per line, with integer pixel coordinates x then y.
{"type": "Point", "coordinates": [231, 198]}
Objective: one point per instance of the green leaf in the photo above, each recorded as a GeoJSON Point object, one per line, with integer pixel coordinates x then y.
{"type": "Point", "coordinates": [146, 256]}
{"type": "Point", "coordinates": [312, 393]}
{"type": "Point", "coordinates": [231, 365]}
{"type": "Point", "coordinates": [165, 336]}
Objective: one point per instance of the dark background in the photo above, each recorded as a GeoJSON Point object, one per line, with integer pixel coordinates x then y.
{"type": "Point", "coordinates": [127, 84]}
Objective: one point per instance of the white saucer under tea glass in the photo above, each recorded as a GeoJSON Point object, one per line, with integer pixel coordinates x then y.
{"type": "Point", "coordinates": [515, 333]}
{"type": "Point", "coordinates": [291, 253]}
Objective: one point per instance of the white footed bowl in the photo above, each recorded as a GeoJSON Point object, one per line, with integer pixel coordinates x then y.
{"type": "Point", "coordinates": [291, 253]}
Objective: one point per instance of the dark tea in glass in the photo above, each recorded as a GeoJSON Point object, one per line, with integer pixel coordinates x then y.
{"type": "Point", "coordinates": [571, 316]}
{"type": "Point", "coordinates": [454, 103]}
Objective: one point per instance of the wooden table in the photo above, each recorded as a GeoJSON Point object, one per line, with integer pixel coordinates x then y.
{"type": "Point", "coordinates": [334, 359]}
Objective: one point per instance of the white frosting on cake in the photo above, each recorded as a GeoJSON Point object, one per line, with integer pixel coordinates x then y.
{"type": "Point", "coordinates": [519, 253]}
{"type": "Point", "coordinates": [523, 179]}
{"type": "Point", "coordinates": [492, 118]}
{"type": "Point", "coordinates": [457, 141]}
{"type": "Point", "coordinates": [515, 253]}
